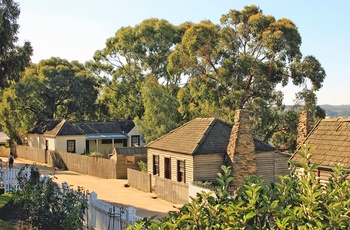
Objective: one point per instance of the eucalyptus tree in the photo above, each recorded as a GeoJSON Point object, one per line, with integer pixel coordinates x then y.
{"type": "Point", "coordinates": [128, 57]}
{"type": "Point", "coordinates": [53, 88]}
{"type": "Point", "coordinates": [239, 63]}
{"type": "Point", "coordinates": [13, 58]}
{"type": "Point", "coordinates": [161, 114]}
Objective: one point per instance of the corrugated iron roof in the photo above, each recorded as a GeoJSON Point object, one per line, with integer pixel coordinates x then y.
{"type": "Point", "coordinates": [131, 150]}
{"type": "Point", "coordinates": [106, 136]}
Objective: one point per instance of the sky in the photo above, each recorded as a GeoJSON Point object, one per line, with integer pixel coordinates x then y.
{"type": "Point", "coordinates": [75, 29]}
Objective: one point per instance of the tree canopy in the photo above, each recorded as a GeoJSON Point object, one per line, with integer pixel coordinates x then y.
{"type": "Point", "coordinates": [13, 58]}
{"type": "Point", "coordinates": [53, 88]}
{"type": "Point", "coordinates": [211, 69]}
{"type": "Point", "coordinates": [162, 75]}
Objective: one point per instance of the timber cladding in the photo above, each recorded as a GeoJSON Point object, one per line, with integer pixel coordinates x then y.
{"type": "Point", "coordinates": [172, 191]}
{"type": "Point", "coordinates": [139, 180]}
{"type": "Point", "coordinates": [129, 161]}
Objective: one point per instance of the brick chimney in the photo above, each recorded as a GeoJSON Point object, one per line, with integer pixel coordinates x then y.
{"type": "Point", "coordinates": [304, 126]}
{"type": "Point", "coordinates": [241, 149]}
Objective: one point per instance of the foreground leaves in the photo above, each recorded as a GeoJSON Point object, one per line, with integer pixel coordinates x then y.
{"type": "Point", "coordinates": [299, 201]}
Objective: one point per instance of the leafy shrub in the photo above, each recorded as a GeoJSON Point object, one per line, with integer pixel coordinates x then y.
{"type": "Point", "coordinates": [299, 201]}
{"type": "Point", "coordinates": [142, 166]}
{"type": "Point", "coordinates": [45, 206]}
{"type": "Point", "coordinates": [97, 154]}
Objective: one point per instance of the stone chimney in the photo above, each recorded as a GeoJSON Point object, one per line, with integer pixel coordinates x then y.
{"type": "Point", "coordinates": [304, 126]}
{"type": "Point", "coordinates": [241, 149]}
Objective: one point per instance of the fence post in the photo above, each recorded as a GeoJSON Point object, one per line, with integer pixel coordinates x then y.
{"type": "Point", "coordinates": [92, 210]}
{"type": "Point", "coordinates": [130, 214]}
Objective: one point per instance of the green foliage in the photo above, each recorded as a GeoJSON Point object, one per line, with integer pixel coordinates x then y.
{"type": "Point", "coordinates": [6, 226]}
{"type": "Point", "coordinates": [4, 199]}
{"type": "Point", "coordinates": [13, 58]}
{"type": "Point", "coordinates": [129, 56]}
{"type": "Point", "coordinates": [54, 88]}
{"type": "Point", "coordinates": [142, 166]}
{"type": "Point", "coordinates": [161, 115]}
{"type": "Point", "coordinates": [299, 201]}
{"type": "Point", "coordinates": [43, 204]}
{"type": "Point", "coordinates": [96, 154]}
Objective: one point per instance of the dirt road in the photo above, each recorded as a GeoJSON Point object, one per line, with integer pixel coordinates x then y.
{"type": "Point", "coordinates": [112, 191]}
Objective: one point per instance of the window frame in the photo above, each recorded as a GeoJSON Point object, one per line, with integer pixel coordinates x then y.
{"type": "Point", "coordinates": [155, 161]}
{"type": "Point", "coordinates": [129, 160]}
{"type": "Point", "coordinates": [138, 140]}
{"type": "Point", "coordinates": [69, 147]}
{"type": "Point", "coordinates": [106, 141]}
{"type": "Point", "coordinates": [181, 171]}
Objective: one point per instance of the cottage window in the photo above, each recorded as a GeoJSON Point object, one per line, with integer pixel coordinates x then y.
{"type": "Point", "coordinates": [106, 141]}
{"type": "Point", "coordinates": [121, 141]}
{"type": "Point", "coordinates": [130, 160]}
{"type": "Point", "coordinates": [135, 140]}
{"type": "Point", "coordinates": [181, 171]}
{"type": "Point", "coordinates": [167, 168]}
{"type": "Point", "coordinates": [155, 165]}
{"type": "Point", "coordinates": [71, 146]}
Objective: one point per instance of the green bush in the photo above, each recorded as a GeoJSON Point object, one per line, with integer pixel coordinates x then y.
{"type": "Point", "coordinates": [142, 166]}
{"type": "Point", "coordinates": [44, 205]}
{"type": "Point", "coordinates": [98, 154]}
{"type": "Point", "coordinates": [299, 201]}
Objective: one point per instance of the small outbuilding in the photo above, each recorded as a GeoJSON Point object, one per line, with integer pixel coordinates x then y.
{"type": "Point", "coordinates": [197, 150]}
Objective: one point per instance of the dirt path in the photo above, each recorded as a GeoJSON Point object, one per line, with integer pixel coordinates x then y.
{"type": "Point", "coordinates": [111, 191]}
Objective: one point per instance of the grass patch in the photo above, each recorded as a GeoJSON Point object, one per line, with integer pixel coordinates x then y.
{"type": "Point", "coordinates": [4, 199]}
{"type": "Point", "coordinates": [4, 209]}
{"type": "Point", "coordinates": [6, 226]}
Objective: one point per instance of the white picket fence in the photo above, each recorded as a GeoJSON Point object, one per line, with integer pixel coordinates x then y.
{"type": "Point", "coordinates": [9, 178]}
{"type": "Point", "coordinates": [99, 215]}
{"type": "Point", "coordinates": [104, 216]}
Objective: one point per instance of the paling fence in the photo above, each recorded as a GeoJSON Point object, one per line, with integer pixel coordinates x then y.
{"type": "Point", "coordinates": [99, 215]}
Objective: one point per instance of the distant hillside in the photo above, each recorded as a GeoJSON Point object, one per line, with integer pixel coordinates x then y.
{"type": "Point", "coordinates": [337, 110]}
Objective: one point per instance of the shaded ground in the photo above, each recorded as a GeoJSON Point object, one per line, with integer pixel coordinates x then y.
{"type": "Point", "coordinates": [112, 191]}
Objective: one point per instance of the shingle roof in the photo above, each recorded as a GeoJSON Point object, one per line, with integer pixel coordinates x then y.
{"type": "Point", "coordinates": [200, 136]}
{"type": "Point", "coordinates": [331, 137]}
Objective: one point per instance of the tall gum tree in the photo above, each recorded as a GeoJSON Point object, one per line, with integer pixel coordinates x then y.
{"type": "Point", "coordinates": [242, 60]}
{"type": "Point", "coordinates": [13, 58]}
{"type": "Point", "coordinates": [128, 57]}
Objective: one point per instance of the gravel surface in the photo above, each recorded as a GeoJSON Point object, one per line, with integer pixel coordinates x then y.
{"type": "Point", "coordinates": [112, 191]}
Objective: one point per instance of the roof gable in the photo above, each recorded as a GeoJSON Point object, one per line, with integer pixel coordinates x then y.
{"type": "Point", "coordinates": [69, 129]}
{"type": "Point", "coordinates": [331, 137]}
{"type": "Point", "coordinates": [184, 139]}
{"type": "Point", "coordinates": [126, 125]}
{"type": "Point", "coordinates": [49, 125]}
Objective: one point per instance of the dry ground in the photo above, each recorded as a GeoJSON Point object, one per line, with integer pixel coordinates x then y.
{"type": "Point", "coordinates": [112, 191]}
